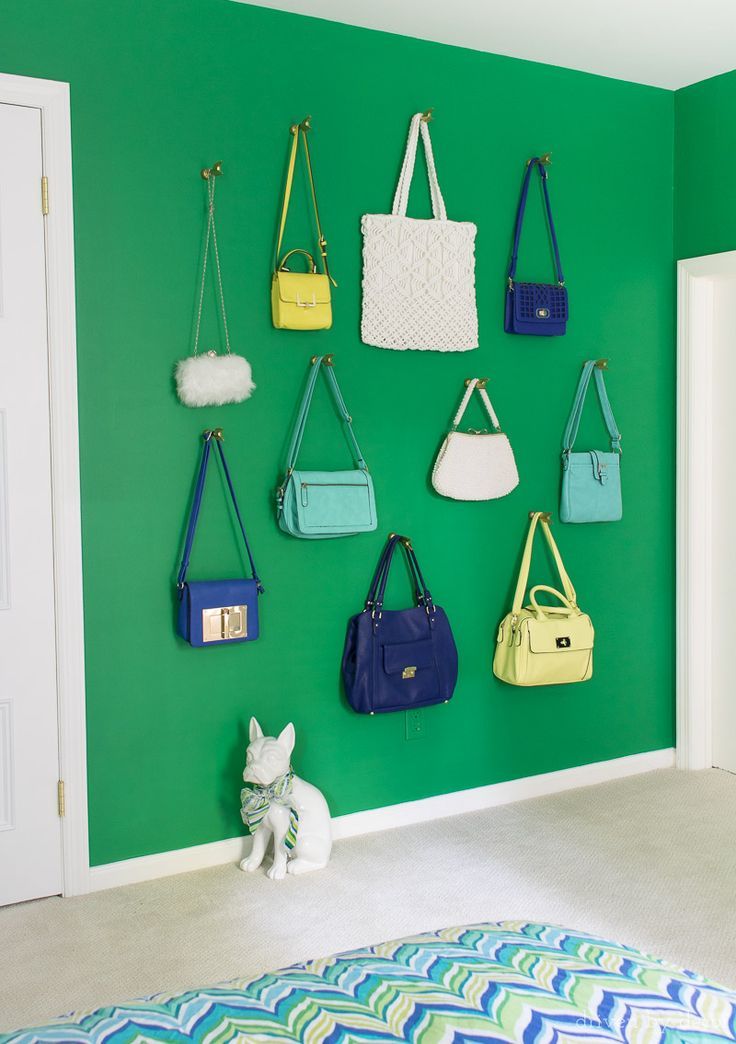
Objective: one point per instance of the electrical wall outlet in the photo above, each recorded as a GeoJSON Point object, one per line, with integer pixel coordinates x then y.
{"type": "Point", "coordinates": [414, 723]}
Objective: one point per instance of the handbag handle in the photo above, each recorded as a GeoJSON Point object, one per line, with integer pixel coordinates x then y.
{"type": "Point", "coordinates": [197, 504]}
{"type": "Point", "coordinates": [536, 161]}
{"type": "Point", "coordinates": [301, 422]}
{"type": "Point", "coordinates": [573, 423]}
{"type": "Point", "coordinates": [377, 591]}
{"type": "Point", "coordinates": [401, 196]}
{"type": "Point", "coordinates": [296, 130]}
{"type": "Point", "coordinates": [282, 264]}
{"type": "Point", "coordinates": [565, 609]}
{"type": "Point", "coordinates": [521, 584]}
{"type": "Point", "coordinates": [472, 385]}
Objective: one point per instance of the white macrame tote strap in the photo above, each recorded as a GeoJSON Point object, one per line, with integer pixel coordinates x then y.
{"type": "Point", "coordinates": [401, 198]}
{"type": "Point", "coordinates": [472, 384]}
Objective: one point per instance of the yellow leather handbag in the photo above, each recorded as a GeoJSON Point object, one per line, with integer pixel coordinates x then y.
{"type": "Point", "coordinates": [544, 644]}
{"type": "Point", "coordinates": [301, 300]}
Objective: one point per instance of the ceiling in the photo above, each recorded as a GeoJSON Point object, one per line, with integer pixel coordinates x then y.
{"type": "Point", "coordinates": [666, 43]}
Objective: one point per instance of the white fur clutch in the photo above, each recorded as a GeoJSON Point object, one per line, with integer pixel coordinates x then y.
{"type": "Point", "coordinates": [213, 380]}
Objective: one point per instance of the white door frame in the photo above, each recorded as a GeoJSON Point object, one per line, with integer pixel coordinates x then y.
{"type": "Point", "coordinates": [695, 361]}
{"type": "Point", "coordinates": [52, 98]}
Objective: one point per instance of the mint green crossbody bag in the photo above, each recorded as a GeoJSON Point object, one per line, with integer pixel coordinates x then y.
{"type": "Point", "coordinates": [591, 481]}
{"type": "Point", "coordinates": [315, 505]}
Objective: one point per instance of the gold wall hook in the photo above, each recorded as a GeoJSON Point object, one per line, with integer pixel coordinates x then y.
{"type": "Point", "coordinates": [545, 159]}
{"type": "Point", "coordinates": [481, 382]}
{"type": "Point", "coordinates": [212, 172]}
{"type": "Point", "coordinates": [305, 125]}
{"type": "Point", "coordinates": [328, 360]}
{"type": "Point", "coordinates": [427, 116]}
{"type": "Point", "coordinates": [544, 516]}
{"type": "Point", "coordinates": [601, 364]}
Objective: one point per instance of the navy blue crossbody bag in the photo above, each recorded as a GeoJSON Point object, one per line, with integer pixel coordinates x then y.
{"type": "Point", "coordinates": [398, 659]}
{"type": "Point", "coordinates": [216, 612]}
{"type": "Point", "coordinates": [539, 309]}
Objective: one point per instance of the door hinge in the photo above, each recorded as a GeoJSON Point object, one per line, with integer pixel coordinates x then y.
{"type": "Point", "coordinates": [60, 797]}
{"type": "Point", "coordinates": [44, 195]}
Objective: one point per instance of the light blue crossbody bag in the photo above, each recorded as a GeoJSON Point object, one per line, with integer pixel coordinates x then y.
{"type": "Point", "coordinates": [591, 481]}
{"type": "Point", "coordinates": [320, 504]}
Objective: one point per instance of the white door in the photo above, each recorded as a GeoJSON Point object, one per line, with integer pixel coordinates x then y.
{"type": "Point", "coordinates": [724, 519]}
{"type": "Point", "coordinates": [30, 830]}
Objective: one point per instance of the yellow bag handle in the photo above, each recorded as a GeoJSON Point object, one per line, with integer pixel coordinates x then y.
{"type": "Point", "coordinates": [296, 130]}
{"type": "Point", "coordinates": [282, 264]}
{"type": "Point", "coordinates": [542, 611]}
{"type": "Point", "coordinates": [526, 560]}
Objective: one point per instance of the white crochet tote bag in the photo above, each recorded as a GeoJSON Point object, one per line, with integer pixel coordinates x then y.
{"type": "Point", "coordinates": [418, 275]}
{"type": "Point", "coordinates": [475, 465]}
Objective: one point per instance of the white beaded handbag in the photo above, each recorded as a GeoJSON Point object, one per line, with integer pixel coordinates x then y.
{"type": "Point", "coordinates": [418, 275]}
{"type": "Point", "coordinates": [475, 465]}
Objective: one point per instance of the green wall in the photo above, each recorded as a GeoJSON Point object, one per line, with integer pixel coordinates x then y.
{"type": "Point", "coordinates": [705, 146]}
{"type": "Point", "coordinates": [159, 90]}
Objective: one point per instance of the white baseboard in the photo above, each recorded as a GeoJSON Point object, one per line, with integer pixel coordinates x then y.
{"type": "Point", "coordinates": [232, 850]}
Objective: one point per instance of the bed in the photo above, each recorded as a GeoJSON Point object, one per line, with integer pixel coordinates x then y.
{"type": "Point", "coordinates": [512, 981]}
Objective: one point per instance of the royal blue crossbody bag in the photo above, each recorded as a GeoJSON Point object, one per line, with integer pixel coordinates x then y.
{"type": "Point", "coordinates": [539, 309]}
{"type": "Point", "coordinates": [216, 612]}
{"type": "Point", "coordinates": [398, 659]}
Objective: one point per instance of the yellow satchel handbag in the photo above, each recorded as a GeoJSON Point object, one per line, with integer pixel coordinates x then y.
{"type": "Point", "coordinates": [544, 644]}
{"type": "Point", "coordinates": [301, 300]}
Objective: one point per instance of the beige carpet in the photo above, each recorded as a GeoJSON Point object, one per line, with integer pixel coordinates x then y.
{"type": "Point", "coordinates": [649, 861]}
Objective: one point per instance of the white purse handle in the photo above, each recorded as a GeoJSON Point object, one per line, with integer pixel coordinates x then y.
{"type": "Point", "coordinates": [472, 385]}
{"type": "Point", "coordinates": [401, 198]}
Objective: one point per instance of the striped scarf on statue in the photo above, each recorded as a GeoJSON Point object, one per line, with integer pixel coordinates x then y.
{"type": "Point", "coordinates": [256, 801]}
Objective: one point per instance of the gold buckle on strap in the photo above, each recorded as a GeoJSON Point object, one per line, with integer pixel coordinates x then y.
{"type": "Point", "coordinates": [224, 622]}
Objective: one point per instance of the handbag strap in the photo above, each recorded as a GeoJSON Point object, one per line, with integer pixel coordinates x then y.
{"type": "Point", "coordinates": [197, 504]}
{"type": "Point", "coordinates": [301, 422]}
{"type": "Point", "coordinates": [401, 196]}
{"type": "Point", "coordinates": [573, 422]}
{"type": "Point", "coordinates": [377, 590]}
{"type": "Point", "coordinates": [536, 161]}
{"type": "Point", "coordinates": [522, 582]}
{"type": "Point", "coordinates": [473, 383]}
{"type": "Point", "coordinates": [297, 130]}
{"type": "Point", "coordinates": [211, 233]}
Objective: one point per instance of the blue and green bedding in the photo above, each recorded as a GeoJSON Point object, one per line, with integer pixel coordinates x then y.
{"type": "Point", "coordinates": [513, 981]}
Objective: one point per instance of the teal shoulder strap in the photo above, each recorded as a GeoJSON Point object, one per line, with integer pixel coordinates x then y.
{"type": "Point", "coordinates": [301, 422]}
{"type": "Point", "coordinates": [573, 421]}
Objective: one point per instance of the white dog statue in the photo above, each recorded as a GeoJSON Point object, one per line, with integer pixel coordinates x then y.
{"type": "Point", "coordinates": [283, 805]}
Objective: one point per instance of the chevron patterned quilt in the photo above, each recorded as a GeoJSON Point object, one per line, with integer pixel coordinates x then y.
{"type": "Point", "coordinates": [512, 981]}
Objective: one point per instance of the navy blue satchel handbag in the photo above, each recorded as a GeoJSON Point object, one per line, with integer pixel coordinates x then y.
{"type": "Point", "coordinates": [539, 309]}
{"type": "Point", "coordinates": [216, 612]}
{"type": "Point", "coordinates": [398, 659]}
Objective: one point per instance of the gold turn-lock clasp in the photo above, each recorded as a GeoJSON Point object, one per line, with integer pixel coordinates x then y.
{"type": "Point", "coordinates": [224, 622]}
{"type": "Point", "coordinates": [409, 672]}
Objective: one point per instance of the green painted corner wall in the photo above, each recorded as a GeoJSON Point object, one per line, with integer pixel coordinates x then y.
{"type": "Point", "coordinates": [159, 90]}
{"type": "Point", "coordinates": [705, 144]}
